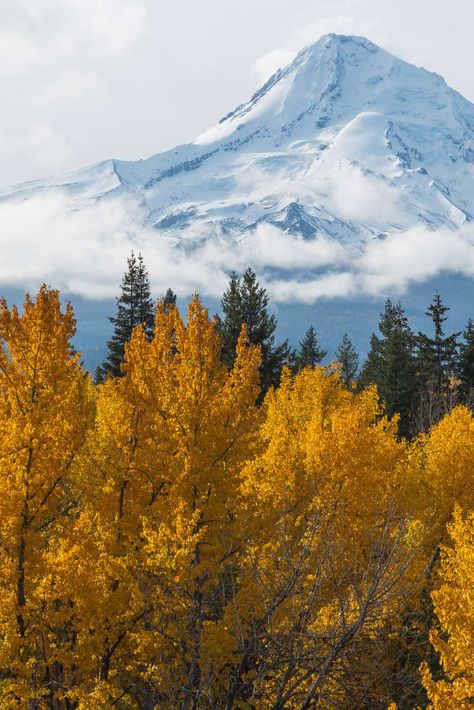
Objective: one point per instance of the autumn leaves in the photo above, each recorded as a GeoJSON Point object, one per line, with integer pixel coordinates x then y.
{"type": "Point", "coordinates": [165, 542]}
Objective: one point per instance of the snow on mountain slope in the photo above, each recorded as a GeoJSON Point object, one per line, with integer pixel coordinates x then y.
{"type": "Point", "coordinates": [347, 144]}
{"type": "Point", "coordinates": [343, 121]}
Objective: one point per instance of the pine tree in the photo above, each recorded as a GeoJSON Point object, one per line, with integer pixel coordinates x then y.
{"type": "Point", "coordinates": [145, 315]}
{"type": "Point", "coordinates": [348, 359]}
{"type": "Point", "coordinates": [168, 300]}
{"type": "Point", "coordinates": [466, 362]}
{"type": "Point", "coordinates": [309, 354]}
{"type": "Point", "coordinates": [245, 302]}
{"type": "Point", "coordinates": [370, 371]}
{"type": "Point", "coordinates": [391, 365]}
{"type": "Point", "coordinates": [231, 325]}
{"type": "Point", "coordinates": [134, 307]}
{"type": "Point", "coordinates": [391, 321]}
{"type": "Point", "coordinates": [437, 356]}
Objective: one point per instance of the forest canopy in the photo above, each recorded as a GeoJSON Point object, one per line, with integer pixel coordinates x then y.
{"type": "Point", "coordinates": [174, 538]}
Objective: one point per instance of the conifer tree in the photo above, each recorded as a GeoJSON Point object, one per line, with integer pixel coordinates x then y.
{"type": "Point", "coordinates": [437, 367]}
{"type": "Point", "coordinates": [231, 325]}
{"type": "Point", "coordinates": [437, 355]}
{"type": "Point", "coordinates": [245, 302]}
{"type": "Point", "coordinates": [310, 354]}
{"type": "Point", "coordinates": [168, 300]}
{"type": "Point", "coordinates": [348, 359]}
{"type": "Point", "coordinates": [370, 372]}
{"type": "Point", "coordinates": [134, 307]}
{"type": "Point", "coordinates": [466, 362]}
{"type": "Point", "coordinates": [391, 365]}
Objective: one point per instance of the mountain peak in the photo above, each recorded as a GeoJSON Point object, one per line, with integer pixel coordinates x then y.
{"type": "Point", "coordinates": [344, 150]}
{"type": "Point", "coordinates": [306, 90]}
{"type": "Point", "coordinates": [350, 48]}
{"type": "Point", "coordinates": [333, 39]}
{"type": "Point", "coordinates": [329, 83]}
{"type": "Point", "coordinates": [343, 127]}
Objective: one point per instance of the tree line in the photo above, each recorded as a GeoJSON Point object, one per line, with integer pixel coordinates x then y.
{"type": "Point", "coordinates": [174, 538]}
{"type": "Point", "coordinates": [185, 535]}
{"type": "Point", "coordinates": [419, 377]}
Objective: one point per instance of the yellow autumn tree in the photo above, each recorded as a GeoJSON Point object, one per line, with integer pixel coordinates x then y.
{"type": "Point", "coordinates": [440, 476]}
{"type": "Point", "coordinates": [329, 561]}
{"type": "Point", "coordinates": [454, 607]}
{"type": "Point", "coordinates": [43, 423]}
{"type": "Point", "coordinates": [442, 473]}
{"type": "Point", "coordinates": [167, 542]}
{"type": "Point", "coordinates": [163, 474]}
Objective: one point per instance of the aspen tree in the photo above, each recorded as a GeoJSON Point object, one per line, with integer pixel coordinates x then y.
{"type": "Point", "coordinates": [43, 422]}
{"type": "Point", "coordinates": [329, 551]}
{"type": "Point", "coordinates": [454, 608]}
{"type": "Point", "coordinates": [170, 440]}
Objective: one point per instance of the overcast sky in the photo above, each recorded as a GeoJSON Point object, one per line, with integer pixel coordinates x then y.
{"type": "Point", "coordinates": [85, 80]}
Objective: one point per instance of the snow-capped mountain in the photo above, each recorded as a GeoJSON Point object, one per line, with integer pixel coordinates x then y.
{"type": "Point", "coordinates": [346, 146]}
{"type": "Point", "coordinates": [342, 127]}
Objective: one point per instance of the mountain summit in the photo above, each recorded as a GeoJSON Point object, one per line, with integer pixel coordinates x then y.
{"type": "Point", "coordinates": [347, 142]}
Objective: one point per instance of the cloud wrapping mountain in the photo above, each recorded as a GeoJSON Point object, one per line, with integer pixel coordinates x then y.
{"type": "Point", "coordinates": [348, 172]}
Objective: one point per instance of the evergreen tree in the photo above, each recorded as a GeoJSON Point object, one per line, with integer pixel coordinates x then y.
{"type": "Point", "coordinates": [348, 359]}
{"type": "Point", "coordinates": [466, 362]}
{"type": "Point", "coordinates": [168, 300]}
{"type": "Point", "coordinates": [246, 302]}
{"type": "Point", "coordinates": [145, 315]}
{"type": "Point", "coordinates": [309, 354]}
{"type": "Point", "coordinates": [437, 356]}
{"type": "Point", "coordinates": [231, 324]}
{"type": "Point", "coordinates": [392, 321]}
{"type": "Point", "coordinates": [391, 365]}
{"type": "Point", "coordinates": [371, 369]}
{"type": "Point", "coordinates": [134, 307]}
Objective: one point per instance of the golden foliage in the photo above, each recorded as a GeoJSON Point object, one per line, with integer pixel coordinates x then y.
{"type": "Point", "coordinates": [444, 459]}
{"type": "Point", "coordinates": [44, 415]}
{"type": "Point", "coordinates": [454, 607]}
{"type": "Point", "coordinates": [167, 542]}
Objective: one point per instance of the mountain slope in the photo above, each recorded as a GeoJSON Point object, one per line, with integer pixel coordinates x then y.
{"type": "Point", "coordinates": [344, 125]}
{"type": "Point", "coordinates": [350, 173]}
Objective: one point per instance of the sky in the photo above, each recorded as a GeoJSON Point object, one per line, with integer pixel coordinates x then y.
{"type": "Point", "coordinates": [86, 80]}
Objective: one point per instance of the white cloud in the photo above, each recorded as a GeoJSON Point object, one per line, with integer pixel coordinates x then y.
{"type": "Point", "coordinates": [71, 83]}
{"type": "Point", "coordinates": [414, 256]}
{"type": "Point", "coordinates": [84, 252]}
{"type": "Point", "coordinates": [357, 195]}
{"type": "Point", "coordinates": [269, 247]}
{"type": "Point", "coordinates": [18, 53]}
{"type": "Point", "coordinates": [388, 266]}
{"type": "Point", "coordinates": [332, 285]}
{"type": "Point", "coordinates": [113, 25]}
{"type": "Point", "coordinates": [338, 24]}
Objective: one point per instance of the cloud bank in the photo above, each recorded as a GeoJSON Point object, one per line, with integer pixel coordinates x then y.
{"type": "Point", "coordinates": [84, 252]}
